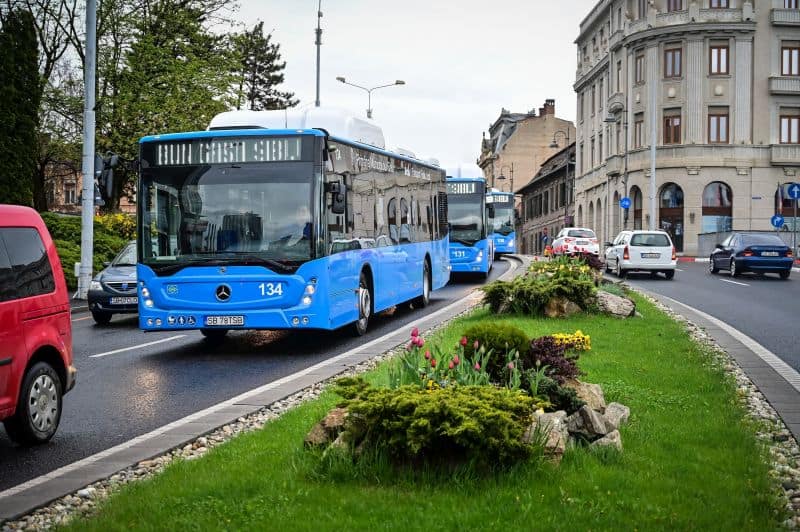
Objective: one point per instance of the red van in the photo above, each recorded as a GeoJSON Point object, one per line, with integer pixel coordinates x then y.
{"type": "Point", "coordinates": [35, 329]}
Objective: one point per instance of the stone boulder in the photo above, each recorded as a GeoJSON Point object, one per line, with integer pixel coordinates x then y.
{"type": "Point", "coordinates": [621, 307]}
{"type": "Point", "coordinates": [616, 414]}
{"type": "Point", "coordinates": [554, 426]}
{"type": "Point", "coordinates": [612, 439]}
{"type": "Point", "coordinates": [591, 394]}
{"type": "Point", "coordinates": [560, 307]}
{"type": "Point", "coordinates": [328, 429]}
{"type": "Point", "coordinates": [588, 424]}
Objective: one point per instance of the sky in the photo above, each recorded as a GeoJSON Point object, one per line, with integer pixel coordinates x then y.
{"type": "Point", "coordinates": [462, 62]}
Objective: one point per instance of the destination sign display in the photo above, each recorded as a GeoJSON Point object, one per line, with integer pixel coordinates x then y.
{"type": "Point", "coordinates": [227, 150]}
{"type": "Point", "coordinates": [464, 187]}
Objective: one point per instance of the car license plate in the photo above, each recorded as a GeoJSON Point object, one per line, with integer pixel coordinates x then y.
{"type": "Point", "coordinates": [769, 253]}
{"type": "Point", "coordinates": [225, 320]}
{"type": "Point", "coordinates": [582, 243]}
{"type": "Point", "coordinates": [651, 255]}
{"type": "Point", "coordinates": [124, 300]}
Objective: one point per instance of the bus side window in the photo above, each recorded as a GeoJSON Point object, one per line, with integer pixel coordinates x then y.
{"type": "Point", "coordinates": [405, 226]}
{"type": "Point", "coordinates": [391, 220]}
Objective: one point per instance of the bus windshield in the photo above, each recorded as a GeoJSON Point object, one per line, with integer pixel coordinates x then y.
{"type": "Point", "coordinates": [503, 221]}
{"type": "Point", "coordinates": [227, 214]}
{"type": "Point", "coordinates": [465, 214]}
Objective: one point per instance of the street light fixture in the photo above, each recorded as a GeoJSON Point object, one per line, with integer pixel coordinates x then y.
{"type": "Point", "coordinates": [501, 177]}
{"type": "Point", "coordinates": [369, 90]}
{"type": "Point", "coordinates": [554, 144]}
{"type": "Point", "coordinates": [611, 119]}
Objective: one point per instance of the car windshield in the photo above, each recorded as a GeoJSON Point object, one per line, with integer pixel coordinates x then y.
{"type": "Point", "coordinates": [762, 240]}
{"type": "Point", "coordinates": [126, 257]}
{"type": "Point", "coordinates": [581, 233]}
{"type": "Point", "coordinates": [654, 240]}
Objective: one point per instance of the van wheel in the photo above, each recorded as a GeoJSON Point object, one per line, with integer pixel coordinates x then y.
{"type": "Point", "coordinates": [364, 306]}
{"type": "Point", "coordinates": [423, 300]}
{"type": "Point", "coordinates": [39, 407]}
{"type": "Point", "coordinates": [214, 335]}
{"type": "Point", "coordinates": [101, 318]}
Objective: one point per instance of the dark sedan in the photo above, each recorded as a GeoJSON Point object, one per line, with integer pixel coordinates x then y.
{"type": "Point", "coordinates": [113, 290]}
{"type": "Point", "coordinates": [752, 252]}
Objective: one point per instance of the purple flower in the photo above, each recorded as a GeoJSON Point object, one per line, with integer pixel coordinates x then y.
{"type": "Point", "coordinates": [414, 332]}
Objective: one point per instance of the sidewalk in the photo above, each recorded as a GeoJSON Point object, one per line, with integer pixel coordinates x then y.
{"type": "Point", "coordinates": [78, 305]}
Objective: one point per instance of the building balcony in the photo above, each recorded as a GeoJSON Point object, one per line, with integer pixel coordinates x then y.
{"type": "Point", "coordinates": [614, 165]}
{"type": "Point", "coordinates": [616, 102]}
{"type": "Point", "coordinates": [616, 39]}
{"type": "Point", "coordinates": [785, 154]}
{"type": "Point", "coordinates": [785, 17]}
{"type": "Point", "coordinates": [784, 85]}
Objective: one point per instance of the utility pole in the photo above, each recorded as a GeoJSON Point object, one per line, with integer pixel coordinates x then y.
{"type": "Point", "coordinates": [87, 203]}
{"type": "Point", "coordinates": [319, 45]}
{"type": "Point", "coordinates": [653, 133]}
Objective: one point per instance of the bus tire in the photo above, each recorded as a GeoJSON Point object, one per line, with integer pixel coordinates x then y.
{"type": "Point", "coordinates": [364, 295]}
{"type": "Point", "coordinates": [423, 300]}
{"type": "Point", "coordinates": [214, 335]}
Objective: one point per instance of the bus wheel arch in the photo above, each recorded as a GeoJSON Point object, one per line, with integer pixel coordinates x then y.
{"type": "Point", "coordinates": [365, 300]}
{"type": "Point", "coordinates": [427, 282]}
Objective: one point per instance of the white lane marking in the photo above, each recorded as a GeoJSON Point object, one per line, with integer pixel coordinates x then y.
{"type": "Point", "coordinates": [782, 368]}
{"type": "Point", "coordinates": [81, 319]}
{"type": "Point", "coordinates": [89, 460]}
{"type": "Point", "coordinates": [131, 348]}
{"type": "Point", "coordinates": [733, 282]}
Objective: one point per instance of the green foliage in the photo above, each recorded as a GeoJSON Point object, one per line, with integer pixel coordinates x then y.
{"type": "Point", "coordinates": [66, 233]}
{"type": "Point", "coordinates": [560, 397]}
{"type": "Point", "coordinates": [260, 72]}
{"type": "Point", "coordinates": [21, 89]}
{"type": "Point", "coordinates": [479, 424]}
{"type": "Point", "coordinates": [529, 293]}
{"type": "Point", "coordinates": [498, 339]}
{"type": "Point", "coordinates": [120, 224]}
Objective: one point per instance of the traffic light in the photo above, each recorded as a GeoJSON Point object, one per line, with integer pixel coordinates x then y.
{"type": "Point", "coordinates": [104, 174]}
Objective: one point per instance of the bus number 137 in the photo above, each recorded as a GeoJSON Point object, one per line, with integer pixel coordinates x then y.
{"type": "Point", "coordinates": [271, 289]}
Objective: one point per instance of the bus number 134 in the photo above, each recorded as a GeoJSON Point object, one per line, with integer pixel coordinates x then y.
{"type": "Point", "coordinates": [271, 289]}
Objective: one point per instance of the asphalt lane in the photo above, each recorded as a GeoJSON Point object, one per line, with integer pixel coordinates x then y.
{"type": "Point", "coordinates": [129, 392]}
{"type": "Point", "coordinates": [764, 307]}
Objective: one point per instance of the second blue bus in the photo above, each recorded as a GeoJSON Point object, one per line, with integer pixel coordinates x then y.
{"type": "Point", "coordinates": [471, 250]}
{"type": "Point", "coordinates": [502, 223]}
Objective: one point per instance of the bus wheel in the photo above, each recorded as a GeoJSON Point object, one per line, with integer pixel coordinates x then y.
{"type": "Point", "coordinates": [423, 300]}
{"type": "Point", "coordinates": [364, 306]}
{"type": "Point", "coordinates": [214, 335]}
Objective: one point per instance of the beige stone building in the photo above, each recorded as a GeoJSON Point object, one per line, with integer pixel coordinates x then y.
{"type": "Point", "coordinates": [519, 143]}
{"type": "Point", "coordinates": [724, 76]}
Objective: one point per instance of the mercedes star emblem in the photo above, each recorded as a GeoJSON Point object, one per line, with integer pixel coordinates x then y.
{"type": "Point", "coordinates": [223, 292]}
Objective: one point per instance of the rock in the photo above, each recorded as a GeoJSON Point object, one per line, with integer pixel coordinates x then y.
{"type": "Point", "coordinates": [555, 427]}
{"type": "Point", "coordinates": [328, 429]}
{"type": "Point", "coordinates": [617, 414]}
{"type": "Point", "coordinates": [587, 424]}
{"type": "Point", "coordinates": [591, 394]}
{"type": "Point", "coordinates": [559, 307]}
{"type": "Point", "coordinates": [317, 436]}
{"type": "Point", "coordinates": [612, 439]}
{"type": "Point", "coordinates": [86, 493]}
{"type": "Point", "coordinates": [615, 305]}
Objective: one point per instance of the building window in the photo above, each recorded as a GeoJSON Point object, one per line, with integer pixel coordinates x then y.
{"type": "Point", "coordinates": [718, 59]}
{"type": "Point", "coordinates": [600, 95]}
{"type": "Point", "coordinates": [619, 76]}
{"type": "Point", "coordinates": [672, 63]}
{"type": "Point", "coordinates": [638, 131]}
{"type": "Point", "coordinates": [582, 154]}
{"type": "Point", "coordinates": [718, 126]}
{"type": "Point", "coordinates": [639, 68]}
{"type": "Point", "coordinates": [790, 4]}
{"type": "Point", "coordinates": [721, 4]}
{"type": "Point", "coordinates": [674, 5]}
{"type": "Point", "coordinates": [790, 127]}
{"type": "Point", "coordinates": [69, 194]}
{"type": "Point", "coordinates": [619, 18]}
{"type": "Point", "coordinates": [618, 130]}
{"type": "Point", "coordinates": [642, 8]}
{"type": "Point", "coordinates": [591, 154]}
{"type": "Point", "coordinates": [593, 99]}
{"type": "Point", "coordinates": [790, 59]}
{"type": "Point", "coordinates": [600, 147]}
{"type": "Point", "coordinates": [717, 208]}
{"type": "Point", "coordinates": [672, 126]}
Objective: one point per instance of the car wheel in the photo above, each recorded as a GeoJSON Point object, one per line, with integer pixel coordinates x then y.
{"type": "Point", "coordinates": [101, 318]}
{"type": "Point", "coordinates": [364, 306]}
{"type": "Point", "coordinates": [734, 271]}
{"type": "Point", "coordinates": [423, 300]}
{"type": "Point", "coordinates": [784, 275]}
{"type": "Point", "coordinates": [670, 274]}
{"type": "Point", "coordinates": [214, 335]}
{"type": "Point", "coordinates": [712, 266]}
{"type": "Point", "coordinates": [619, 271]}
{"type": "Point", "coordinates": [653, 275]}
{"type": "Point", "coordinates": [39, 407]}
{"type": "Point", "coordinates": [608, 267]}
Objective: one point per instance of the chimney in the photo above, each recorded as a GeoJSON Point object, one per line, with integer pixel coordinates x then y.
{"type": "Point", "coordinates": [549, 108]}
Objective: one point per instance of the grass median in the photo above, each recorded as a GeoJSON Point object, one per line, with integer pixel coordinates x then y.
{"type": "Point", "coordinates": [690, 460]}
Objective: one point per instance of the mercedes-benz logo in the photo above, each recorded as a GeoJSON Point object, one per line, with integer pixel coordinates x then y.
{"type": "Point", "coordinates": [223, 292]}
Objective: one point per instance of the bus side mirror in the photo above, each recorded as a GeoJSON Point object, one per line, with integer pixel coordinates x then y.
{"type": "Point", "coordinates": [338, 194]}
{"type": "Point", "coordinates": [490, 210]}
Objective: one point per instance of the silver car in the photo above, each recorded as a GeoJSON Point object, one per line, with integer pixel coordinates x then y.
{"type": "Point", "coordinates": [641, 251]}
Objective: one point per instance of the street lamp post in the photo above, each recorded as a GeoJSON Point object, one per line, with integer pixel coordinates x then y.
{"type": "Point", "coordinates": [369, 91]}
{"type": "Point", "coordinates": [501, 177]}
{"type": "Point", "coordinates": [554, 144]}
{"type": "Point", "coordinates": [610, 119]}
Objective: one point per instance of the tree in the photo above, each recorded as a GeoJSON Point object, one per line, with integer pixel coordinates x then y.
{"type": "Point", "coordinates": [260, 72]}
{"type": "Point", "coordinates": [19, 106]}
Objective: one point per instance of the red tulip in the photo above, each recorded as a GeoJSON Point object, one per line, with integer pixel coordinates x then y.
{"type": "Point", "coordinates": [475, 345]}
{"type": "Point", "coordinates": [463, 341]}
{"type": "Point", "coordinates": [510, 365]}
{"type": "Point", "coordinates": [451, 365]}
{"type": "Point", "coordinates": [414, 332]}
{"type": "Point", "coordinates": [427, 355]}
{"type": "Point", "coordinates": [433, 362]}
{"type": "Point", "coordinates": [477, 367]}
{"type": "Point", "coordinates": [420, 341]}
{"type": "Point", "coordinates": [456, 360]}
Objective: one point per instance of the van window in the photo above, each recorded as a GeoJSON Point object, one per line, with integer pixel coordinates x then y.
{"type": "Point", "coordinates": [7, 290]}
{"type": "Point", "coordinates": [29, 262]}
{"type": "Point", "coordinates": [658, 240]}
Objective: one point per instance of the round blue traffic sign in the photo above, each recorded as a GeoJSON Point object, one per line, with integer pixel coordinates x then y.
{"type": "Point", "coordinates": [794, 191]}
{"type": "Point", "coordinates": [625, 203]}
{"type": "Point", "coordinates": [776, 221]}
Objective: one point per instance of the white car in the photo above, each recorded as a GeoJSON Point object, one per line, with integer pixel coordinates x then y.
{"type": "Point", "coordinates": [576, 241]}
{"type": "Point", "coordinates": [641, 251]}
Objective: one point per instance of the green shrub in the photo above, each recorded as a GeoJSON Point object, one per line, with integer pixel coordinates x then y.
{"type": "Point", "coordinates": [479, 424]}
{"type": "Point", "coordinates": [560, 397]}
{"type": "Point", "coordinates": [498, 339]}
{"type": "Point", "coordinates": [123, 225]}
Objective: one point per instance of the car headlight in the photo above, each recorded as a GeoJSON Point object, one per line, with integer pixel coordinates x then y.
{"type": "Point", "coordinates": [95, 285]}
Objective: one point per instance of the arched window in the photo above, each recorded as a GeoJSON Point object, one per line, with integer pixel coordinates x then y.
{"type": "Point", "coordinates": [670, 214]}
{"type": "Point", "coordinates": [590, 215]}
{"type": "Point", "coordinates": [616, 225]}
{"type": "Point", "coordinates": [598, 224]}
{"type": "Point", "coordinates": [580, 216]}
{"type": "Point", "coordinates": [717, 208]}
{"type": "Point", "coordinates": [636, 201]}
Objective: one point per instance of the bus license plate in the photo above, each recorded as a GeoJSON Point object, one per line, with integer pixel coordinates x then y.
{"type": "Point", "coordinates": [124, 300]}
{"type": "Point", "coordinates": [225, 320]}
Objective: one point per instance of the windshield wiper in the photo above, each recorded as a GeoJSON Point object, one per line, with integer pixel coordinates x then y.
{"type": "Point", "coordinates": [468, 243]}
{"type": "Point", "coordinates": [248, 260]}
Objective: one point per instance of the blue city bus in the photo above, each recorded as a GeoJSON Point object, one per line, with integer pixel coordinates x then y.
{"type": "Point", "coordinates": [470, 248]}
{"type": "Point", "coordinates": [502, 223]}
{"type": "Point", "coordinates": [247, 227]}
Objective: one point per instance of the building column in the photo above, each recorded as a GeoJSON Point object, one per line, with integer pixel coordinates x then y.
{"type": "Point", "coordinates": [741, 114]}
{"type": "Point", "coordinates": [695, 62]}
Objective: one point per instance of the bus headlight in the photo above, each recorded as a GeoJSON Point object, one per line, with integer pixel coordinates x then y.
{"type": "Point", "coordinates": [511, 243]}
{"type": "Point", "coordinates": [310, 289]}
{"type": "Point", "coordinates": [145, 292]}
{"type": "Point", "coordinates": [148, 303]}
{"type": "Point", "coordinates": [480, 256]}
{"type": "Point", "coordinates": [306, 300]}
